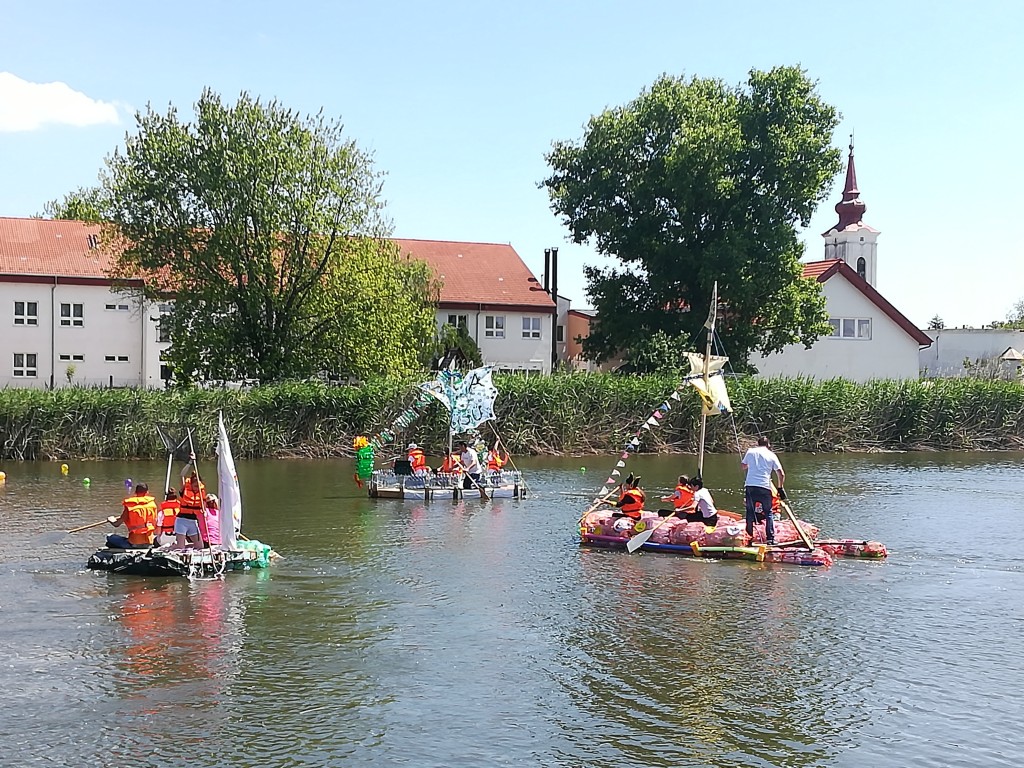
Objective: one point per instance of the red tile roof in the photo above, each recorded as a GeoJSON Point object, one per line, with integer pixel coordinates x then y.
{"type": "Point", "coordinates": [475, 275]}
{"type": "Point", "coordinates": [823, 270]}
{"type": "Point", "coordinates": [490, 274]}
{"type": "Point", "coordinates": [50, 248]}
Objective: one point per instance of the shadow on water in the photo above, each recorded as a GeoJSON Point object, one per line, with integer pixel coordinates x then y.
{"type": "Point", "coordinates": [480, 633]}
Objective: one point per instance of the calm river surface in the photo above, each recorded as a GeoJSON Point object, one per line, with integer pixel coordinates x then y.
{"type": "Point", "coordinates": [480, 634]}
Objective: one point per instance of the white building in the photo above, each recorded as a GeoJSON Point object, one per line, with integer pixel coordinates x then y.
{"type": "Point", "coordinates": [70, 325]}
{"type": "Point", "coordinates": [973, 352]}
{"type": "Point", "coordinates": [66, 321]}
{"type": "Point", "coordinates": [488, 290]}
{"type": "Point", "coordinates": [870, 338]}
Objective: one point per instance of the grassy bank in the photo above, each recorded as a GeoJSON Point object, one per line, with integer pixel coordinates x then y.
{"type": "Point", "coordinates": [572, 414]}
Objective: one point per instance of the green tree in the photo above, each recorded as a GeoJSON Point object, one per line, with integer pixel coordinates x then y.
{"type": "Point", "coordinates": [267, 229]}
{"type": "Point", "coordinates": [936, 324]}
{"type": "Point", "coordinates": [1015, 317]}
{"type": "Point", "coordinates": [84, 204]}
{"type": "Point", "coordinates": [695, 182]}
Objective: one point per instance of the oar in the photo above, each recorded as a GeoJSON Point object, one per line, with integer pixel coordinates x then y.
{"type": "Point", "coordinates": [55, 537]}
{"type": "Point", "coordinates": [641, 538]}
{"type": "Point", "coordinates": [796, 524]}
{"type": "Point", "coordinates": [598, 502]}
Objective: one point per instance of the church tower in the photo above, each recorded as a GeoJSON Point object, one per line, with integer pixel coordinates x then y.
{"type": "Point", "coordinates": [851, 239]}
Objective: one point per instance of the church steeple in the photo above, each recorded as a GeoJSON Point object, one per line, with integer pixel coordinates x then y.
{"type": "Point", "coordinates": [851, 239]}
{"type": "Point", "coordinates": [851, 208]}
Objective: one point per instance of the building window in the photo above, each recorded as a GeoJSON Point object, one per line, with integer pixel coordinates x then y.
{"type": "Point", "coordinates": [165, 373]}
{"type": "Point", "coordinates": [115, 358]}
{"type": "Point", "coordinates": [531, 327]}
{"type": "Point", "coordinates": [494, 326]}
{"type": "Point", "coordinates": [24, 365]}
{"type": "Point", "coordinates": [72, 315]}
{"type": "Point", "coordinates": [116, 307]}
{"type": "Point", "coordinates": [458, 321]}
{"type": "Point", "coordinates": [72, 358]}
{"type": "Point", "coordinates": [26, 313]}
{"type": "Point", "coordinates": [560, 337]}
{"type": "Point", "coordinates": [862, 267]}
{"type": "Point", "coordinates": [851, 328]}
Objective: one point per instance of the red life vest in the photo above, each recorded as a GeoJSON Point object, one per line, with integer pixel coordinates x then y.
{"type": "Point", "coordinates": [632, 502]}
{"type": "Point", "coordinates": [169, 509]}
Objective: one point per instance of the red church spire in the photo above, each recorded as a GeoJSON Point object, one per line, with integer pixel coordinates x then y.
{"type": "Point", "coordinates": [851, 208]}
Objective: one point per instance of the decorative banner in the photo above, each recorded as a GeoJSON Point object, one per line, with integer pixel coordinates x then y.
{"type": "Point", "coordinates": [469, 399]}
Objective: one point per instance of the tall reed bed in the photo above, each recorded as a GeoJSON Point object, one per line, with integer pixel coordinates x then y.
{"type": "Point", "coordinates": [565, 413]}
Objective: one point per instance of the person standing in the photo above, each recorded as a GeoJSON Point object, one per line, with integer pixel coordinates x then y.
{"type": "Point", "coordinates": [470, 465]}
{"type": "Point", "coordinates": [193, 505]}
{"type": "Point", "coordinates": [138, 515]}
{"type": "Point", "coordinates": [759, 462]}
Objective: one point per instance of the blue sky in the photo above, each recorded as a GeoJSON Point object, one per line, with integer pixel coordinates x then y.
{"type": "Point", "coordinates": [459, 102]}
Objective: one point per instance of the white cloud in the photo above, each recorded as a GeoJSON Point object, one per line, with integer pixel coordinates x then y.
{"type": "Point", "coordinates": [26, 106]}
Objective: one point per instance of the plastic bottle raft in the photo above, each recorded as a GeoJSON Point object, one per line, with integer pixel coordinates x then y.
{"type": "Point", "coordinates": [728, 540]}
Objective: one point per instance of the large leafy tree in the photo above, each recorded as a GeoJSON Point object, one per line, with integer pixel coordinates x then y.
{"type": "Point", "coordinates": [267, 229]}
{"type": "Point", "coordinates": [695, 182]}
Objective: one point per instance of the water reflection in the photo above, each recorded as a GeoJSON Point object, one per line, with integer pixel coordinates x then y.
{"type": "Point", "coordinates": [479, 633]}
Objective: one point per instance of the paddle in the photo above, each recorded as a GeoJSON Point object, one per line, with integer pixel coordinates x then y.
{"type": "Point", "coordinates": [796, 524]}
{"type": "Point", "coordinates": [641, 538]}
{"type": "Point", "coordinates": [55, 537]}
{"type": "Point", "coordinates": [598, 502]}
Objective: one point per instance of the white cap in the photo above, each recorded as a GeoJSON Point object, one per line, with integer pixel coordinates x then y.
{"type": "Point", "coordinates": [412, 446]}
{"type": "Point", "coordinates": [213, 498]}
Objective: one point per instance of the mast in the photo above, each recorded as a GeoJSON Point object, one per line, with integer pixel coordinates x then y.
{"type": "Point", "coordinates": [710, 325]}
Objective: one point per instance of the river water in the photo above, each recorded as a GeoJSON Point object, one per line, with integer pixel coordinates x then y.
{"type": "Point", "coordinates": [480, 634]}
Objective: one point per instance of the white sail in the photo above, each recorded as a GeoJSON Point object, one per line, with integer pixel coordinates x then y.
{"type": "Point", "coordinates": [230, 513]}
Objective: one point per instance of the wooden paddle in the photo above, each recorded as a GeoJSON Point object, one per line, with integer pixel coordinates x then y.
{"type": "Point", "coordinates": [55, 537]}
{"type": "Point", "coordinates": [640, 539]}
{"type": "Point", "coordinates": [796, 524]}
{"type": "Point", "coordinates": [598, 502]}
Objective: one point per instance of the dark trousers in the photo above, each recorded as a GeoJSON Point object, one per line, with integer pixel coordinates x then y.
{"type": "Point", "coordinates": [759, 509]}
{"type": "Point", "coordinates": [471, 481]}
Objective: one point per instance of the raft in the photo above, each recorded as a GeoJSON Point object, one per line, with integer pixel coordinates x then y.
{"type": "Point", "coordinates": [191, 563]}
{"type": "Point", "coordinates": [386, 484]}
{"type": "Point", "coordinates": [728, 540]}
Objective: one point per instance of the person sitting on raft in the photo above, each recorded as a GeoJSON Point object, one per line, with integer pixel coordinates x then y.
{"type": "Point", "coordinates": [417, 460]}
{"type": "Point", "coordinates": [631, 501]}
{"type": "Point", "coordinates": [704, 511]}
{"type": "Point", "coordinates": [138, 515]}
{"type": "Point", "coordinates": [168, 513]}
{"type": "Point", "coordinates": [681, 498]}
{"type": "Point", "coordinates": [495, 459]}
{"type": "Point", "coordinates": [451, 464]}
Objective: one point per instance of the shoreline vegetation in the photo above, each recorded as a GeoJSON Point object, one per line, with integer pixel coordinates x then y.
{"type": "Point", "coordinates": [564, 414]}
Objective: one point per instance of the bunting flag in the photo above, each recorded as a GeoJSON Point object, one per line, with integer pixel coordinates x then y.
{"type": "Point", "coordinates": [616, 473]}
{"type": "Point", "coordinates": [620, 464]}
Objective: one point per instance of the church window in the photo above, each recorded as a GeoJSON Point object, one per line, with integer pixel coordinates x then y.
{"type": "Point", "coordinates": [862, 268]}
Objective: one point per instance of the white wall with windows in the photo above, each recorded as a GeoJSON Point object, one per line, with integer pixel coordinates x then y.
{"type": "Point", "coordinates": [66, 334]}
{"type": "Point", "coordinates": [510, 341]}
{"type": "Point", "coordinates": [865, 343]}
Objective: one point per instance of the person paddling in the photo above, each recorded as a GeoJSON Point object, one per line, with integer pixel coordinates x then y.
{"type": "Point", "coordinates": [138, 515]}
{"type": "Point", "coordinates": [759, 462]}
{"type": "Point", "coordinates": [704, 505]}
{"type": "Point", "coordinates": [681, 498]}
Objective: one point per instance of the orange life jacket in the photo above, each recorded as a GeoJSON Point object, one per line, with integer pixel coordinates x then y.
{"type": "Point", "coordinates": [140, 519]}
{"type": "Point", "coordinates": [632, 502]}
{"type": "Point", "coordinates": [417, 459]}
{"type": "Point", "coordinates": [776, 506]}
{"type": "Point", "coordinates": [495, 462]}
{"type": "Point", "coordinates": [170, 509]}
{"type": "Point", "coordinates": [451, 465]}
{"type": "Point", "coordinates": [192, 503]}
{"type": "Point", "coordinates": [684, 497]}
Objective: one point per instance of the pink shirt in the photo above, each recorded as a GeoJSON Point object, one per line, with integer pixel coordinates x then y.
{"type": "Point", "coordinates": [213, 525]}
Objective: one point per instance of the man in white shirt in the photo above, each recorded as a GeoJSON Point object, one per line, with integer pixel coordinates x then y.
{"type": "Point", "coordinates": [471, 465]}
{"type": "Point", "coordinates": [759, 463]}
